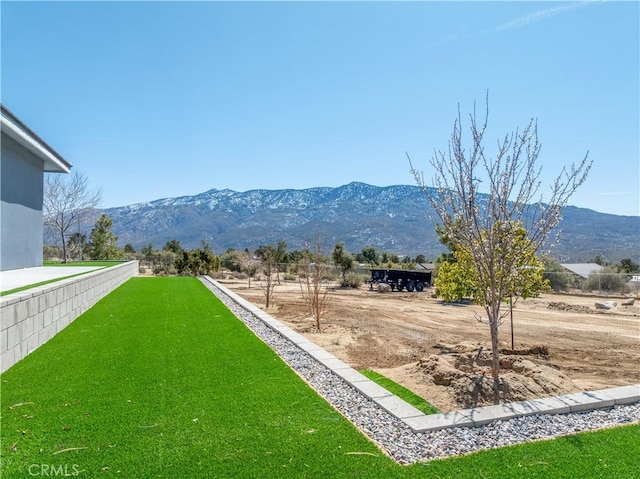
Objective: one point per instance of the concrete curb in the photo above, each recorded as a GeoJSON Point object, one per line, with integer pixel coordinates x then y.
{"type": "Point", "coordinates": [420, 422]}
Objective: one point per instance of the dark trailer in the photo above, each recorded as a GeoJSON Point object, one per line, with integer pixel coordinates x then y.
{"type": "Point", "coordinates": [400, 279]}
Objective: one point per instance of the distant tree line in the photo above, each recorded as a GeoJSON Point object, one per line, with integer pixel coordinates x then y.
{"type": "Point", "coordinates": [453, 282]}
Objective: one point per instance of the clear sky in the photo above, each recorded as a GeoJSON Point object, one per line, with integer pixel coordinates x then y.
{"type": "Point", "coordinates": [162, 99]}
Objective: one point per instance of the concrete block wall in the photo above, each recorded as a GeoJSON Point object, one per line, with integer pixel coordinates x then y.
{"type": "Point", "coordinates": [30, 318]}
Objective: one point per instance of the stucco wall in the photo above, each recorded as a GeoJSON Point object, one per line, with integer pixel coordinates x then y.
{"type": "Point", "coordinates": [21, 187]}
{"type": "Point", "coordinates": [30, 318]}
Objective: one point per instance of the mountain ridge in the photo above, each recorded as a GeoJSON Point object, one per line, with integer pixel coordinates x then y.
{"type": "Point", "coordinates": [391, 218]}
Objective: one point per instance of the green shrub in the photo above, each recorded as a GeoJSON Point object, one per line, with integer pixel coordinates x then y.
{"type": "Point", "coordinates": [159, 271]}
{"type": "Point", "coordinates": [607, 280]}
{"type": "Point", "coordinates": [355, 280]}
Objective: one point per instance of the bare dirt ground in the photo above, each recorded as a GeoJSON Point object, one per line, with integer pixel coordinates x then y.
{"type": "Point", "coordinates": [562, 343]}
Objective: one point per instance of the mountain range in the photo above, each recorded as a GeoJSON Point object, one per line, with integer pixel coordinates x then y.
{"type": "Point", "coordinates": [396, 219]}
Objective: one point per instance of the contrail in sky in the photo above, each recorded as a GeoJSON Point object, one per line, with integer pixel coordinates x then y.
{"type": "Point", "coordinates": [542, 15]}
{"type": "Point", "coordinates": [520, 21]}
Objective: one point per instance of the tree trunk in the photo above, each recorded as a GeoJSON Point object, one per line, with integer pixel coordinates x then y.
{"type": "Point", "coordinates": [495, 356]}
{"type": "Point", "coordinates": [64, 247]}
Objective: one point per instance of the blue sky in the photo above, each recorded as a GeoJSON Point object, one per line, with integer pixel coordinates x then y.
{"type": "Point", "coordinates": [161, 99]}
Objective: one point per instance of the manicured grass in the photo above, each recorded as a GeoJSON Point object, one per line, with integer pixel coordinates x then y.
{"type": "Point", "coordinates": [41, 283]}
{"type": "Point", "coordinates": [400, 391]}
{"type": "Point", "coordinates": [81, 263]}
{"type": "Point", "coordinates": [159, 379]}
{"type": "Point", "coordinates": [35, 285]}
{"type": "Point", "coordinates": [611, 453]}
{"type": "Point", "coordinates": [100, 264]}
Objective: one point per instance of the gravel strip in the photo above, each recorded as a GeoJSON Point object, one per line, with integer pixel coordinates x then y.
{"type": "Point", "coordinates": [396, 438]}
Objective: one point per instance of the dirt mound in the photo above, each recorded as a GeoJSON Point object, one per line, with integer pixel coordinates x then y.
{"type": "Point", "coordinates": [467, 376]}
{"type": "Point", "coordinates": [576, 308]}
{"type": "Point", "coordinates": [540, 351]}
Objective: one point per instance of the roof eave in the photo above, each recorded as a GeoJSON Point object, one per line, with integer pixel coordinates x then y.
{"type": "Point", "coordinates": [14, 128]}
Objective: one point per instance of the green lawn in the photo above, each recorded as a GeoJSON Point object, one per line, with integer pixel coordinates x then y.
{"type": "Point", "coordinates": [159, 379]}
{"type": "Point", "coordinates": [100, 264]}
{"type": "Point", "coordinates": [409, 396]}
{"type": "Point", "coordinates": [81, 263]}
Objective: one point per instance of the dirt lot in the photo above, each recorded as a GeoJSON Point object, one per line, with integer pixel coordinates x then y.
{"type": "Point", "coordinates": [562, 343]}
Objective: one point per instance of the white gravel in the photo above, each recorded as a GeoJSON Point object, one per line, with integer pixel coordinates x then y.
{"type": "Point", "coordinates": [394, 436]}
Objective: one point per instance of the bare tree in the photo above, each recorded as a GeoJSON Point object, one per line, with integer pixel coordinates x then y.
{"type": "Point", "coordinates": [68, 202]}
{"type": "Point", "coordinates": [314, 285]}
{"type": "Point", "coordinates": [247, 264]}
{"type": "Point", "coordinates": [270, 277]}
{"type": "Point", "coordinates": [480, 221]}
{"type": "Point", "coordinates": [269, 281]}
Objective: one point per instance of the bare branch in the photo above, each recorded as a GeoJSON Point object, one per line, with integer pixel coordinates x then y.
{"type": "Point", "coordinates": [502, 227]}
{"type": "Point", "coordinates": [314, 286]}
{"type": "Point", "coordinates": [68, 202]}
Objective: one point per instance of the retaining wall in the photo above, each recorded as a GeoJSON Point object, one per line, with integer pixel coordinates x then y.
{"type": "Point", "coordinates": [30, 318]}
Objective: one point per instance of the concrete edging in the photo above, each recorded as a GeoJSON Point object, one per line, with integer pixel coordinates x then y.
{"type": "Point", "coordinates": [416, 419]}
